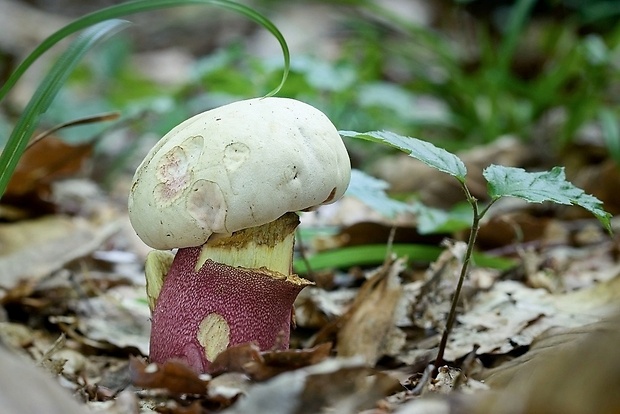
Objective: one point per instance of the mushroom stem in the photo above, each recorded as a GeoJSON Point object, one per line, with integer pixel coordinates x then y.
{"type": "Point", "coordinates": [229, 291]}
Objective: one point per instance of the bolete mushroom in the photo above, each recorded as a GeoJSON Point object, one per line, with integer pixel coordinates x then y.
{"type": "Point", "coordinates": [222, 187]}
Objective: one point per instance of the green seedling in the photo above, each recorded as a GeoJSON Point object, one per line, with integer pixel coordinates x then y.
{"type": "Point", "coordinates": [533, 187]}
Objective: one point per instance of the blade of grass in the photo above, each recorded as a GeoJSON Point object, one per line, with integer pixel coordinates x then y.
{"type": "Point", "coordinates": [603, 10]}
{"type": "Point", "coordinates": [139, 6]}
{"type": "Point", "coordinates": [611, 132]}
{"type": "Point", "coordinates": [45, 93]}
{"type": "Point", "coordinates": [109, 116]}
{"type": "Point", "coordinates": [49, 87]}
{"type": "Point", "coordinates": [374, 254]}
{"type": "Point", "coordinates": [518, 17]}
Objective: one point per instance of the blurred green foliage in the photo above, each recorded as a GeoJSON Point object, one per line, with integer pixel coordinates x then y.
{"type": "Point", "coordinates": [467, 79]}
{"type": "Point", "coordinates": [93, 28]}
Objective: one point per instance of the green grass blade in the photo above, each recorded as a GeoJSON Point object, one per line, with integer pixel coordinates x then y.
{"type": "Point", "coordinates": [374, 254]}
{"type": "Point", "coordinates": [611, 133]}
{"type": "Point", "coordinates": [46, 92]}
{"type": "Point", "coordinates": [139, 6]}
{"type": "Point", "coordinates": [49, 87]}
{"type": "Point", "coordinates": [518, 17]}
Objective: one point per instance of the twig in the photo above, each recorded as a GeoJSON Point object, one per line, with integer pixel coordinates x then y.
{"type": "Point", "coordinates": [426, 376]}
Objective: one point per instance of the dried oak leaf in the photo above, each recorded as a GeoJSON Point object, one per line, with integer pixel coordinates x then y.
{"type": "Point", "coordinates": [50, 159]}
{"type": "Point", "coordinates": [173, 376]}
{"type": "Point", "coordinates": [260, 366]}
{"type": "Point", "coordinates": [273, 363]}
{"type": "Point", "coordinates": [234, 358]}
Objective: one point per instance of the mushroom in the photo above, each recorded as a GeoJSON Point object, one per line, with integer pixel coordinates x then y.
{"type": "Point", "coordinates": [223, 187]}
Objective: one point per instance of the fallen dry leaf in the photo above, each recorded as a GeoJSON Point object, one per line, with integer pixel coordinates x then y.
{"type": "Point", "coordinates": [511, 315]}
{"type": "Point", "coordinates": [366, 232]}
{"type": "Point", "coordinates": [260, 366]}
{"type": "Point", "coordinates": [316, 307]}
{"type": "Point", "coordinates": [601, 180]}
{"type": "Point", "coordinates": [32, 249]}
{"type": "Point", "coordinates": [367, 329]}
{"type": "Point", "coordinates": [234, 358]}
{"type": "Point", "coordinates": [510, 228]}
{"type": "Point", "coordinates": [172, 376]}
{"type": "Point", "coordinates": [273, 363]}
{"type": "Point", "coordinates": [568, 371]}
{"type": "Point", "coordinates": [335, 385]}
{"type": "Point", "coordinates": [432, 304]}
{"type": "Point", "coordinates": [27, 389]}
{"type": "Point", "coordinates": [120, 317]}
{"type": "Point", "coordinates": [42, 163]}
{"type": "Point", "coordinates": [226, 388]}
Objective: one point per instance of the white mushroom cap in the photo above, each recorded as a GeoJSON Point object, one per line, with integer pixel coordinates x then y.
{"type": "Point", "coordinates": [241, 165]}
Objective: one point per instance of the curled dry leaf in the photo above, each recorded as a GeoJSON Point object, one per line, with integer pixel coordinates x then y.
{"type": "Point", "coordinates": [48, 160]}
{"type": "Point", "coordinates": [234, 358]}
{"type": "Point", "coordinates": [276, 362]}
{"type": "Point", "coordinates": [173, 376]}
{"type": "Point", "coordinates": [32, 249]}
{"type": "Point", "coordinates": [316, 307]}
{"type": "Point", "coordinates": [371, 232]}
{"type": "Point", "coordinates": [519, 227]}
{"type": "Point", "coordinates": [601, 180]}
{"type": "Point", "coordinates": [260, 366]}
{"type": "Point", "coordinates": [368, 328]}
{"type": "Point", "coordinates": [225, 389]}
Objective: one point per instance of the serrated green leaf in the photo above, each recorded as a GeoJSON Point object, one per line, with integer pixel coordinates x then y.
{"type": "Point", "coordinates": [371, 191]}
{"type": "Point", "coordinates": [426, 152]}
{"type": "Point", "coordinates": [537, 187]}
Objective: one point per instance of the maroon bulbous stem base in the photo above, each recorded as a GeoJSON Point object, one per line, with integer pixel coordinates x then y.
{"type": "Point", "coordinates": [200, 313]}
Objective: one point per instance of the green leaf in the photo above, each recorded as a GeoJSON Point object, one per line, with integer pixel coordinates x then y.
{"type": "Point", "coordinates": [433, 220]}
{"type": "Point", "coordinates": [371, 191]}
{"type": "Point", "coordinates": [537, 187]}
{"type": "Point", "coordinates": [46, 92]}
{"type": "Point", "coordinates": [426, 152]}
{"type": "Point", "coordinates": [514, 32]}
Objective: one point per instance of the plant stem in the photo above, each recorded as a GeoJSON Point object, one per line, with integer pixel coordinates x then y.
{"type": "Point", "coordinates": [475, 226]}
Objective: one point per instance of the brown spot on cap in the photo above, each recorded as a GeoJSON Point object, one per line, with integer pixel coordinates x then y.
{"type": "Point", "coordinates": [330, 197]}
{"type": "Point", "coordinates": [173, 174]}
